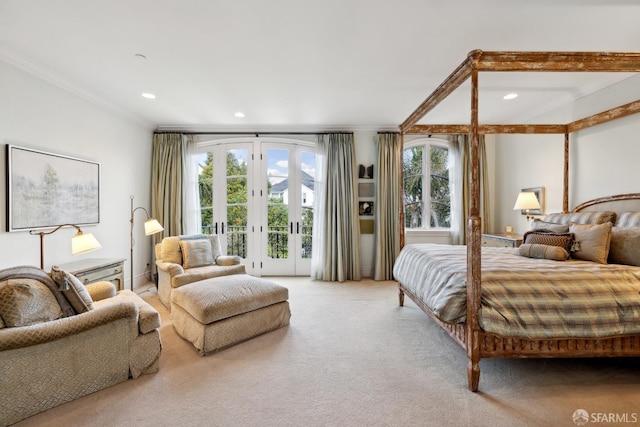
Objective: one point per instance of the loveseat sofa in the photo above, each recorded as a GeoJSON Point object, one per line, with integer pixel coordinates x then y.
{"type": "Point", "coordinates": [58, 345]}
{"type": "Point", "coordinates": [190, 258]}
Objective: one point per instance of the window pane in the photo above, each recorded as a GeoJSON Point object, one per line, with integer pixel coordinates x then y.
{"type": "Point", "coordinates": [205, 187]}
{"type": "Point", "coordinates": [440, 191]}
{"type": "Point", "coordinates": [413, 178]}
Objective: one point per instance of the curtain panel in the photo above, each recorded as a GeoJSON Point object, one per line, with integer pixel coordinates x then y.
{"type": "Point", "coordinates": [174, 191]}
{"type": "Point", "coordinates": [336, 226]}
{"type": "Point", "coordinates": [389, 225]}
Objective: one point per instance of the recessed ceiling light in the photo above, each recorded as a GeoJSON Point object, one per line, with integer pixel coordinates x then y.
{"type": "Point", "coordinates": [148, 95]}
{"type": "Point", "coordinates": [239, 114]}
{"type": "Point", "coordinates": [510, 96]}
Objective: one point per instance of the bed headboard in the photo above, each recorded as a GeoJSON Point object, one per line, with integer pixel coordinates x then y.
{"type": "Point", "coordinates": [619, 203]}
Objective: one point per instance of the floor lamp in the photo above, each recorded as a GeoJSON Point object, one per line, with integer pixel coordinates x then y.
{"type": "Point", "coordinates": [80, 243]}
{"type": "Point", "coordinates": [151, 226]}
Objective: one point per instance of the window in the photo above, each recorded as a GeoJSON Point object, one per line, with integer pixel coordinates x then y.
{"type": "Point", "coordinates": [427, 190]}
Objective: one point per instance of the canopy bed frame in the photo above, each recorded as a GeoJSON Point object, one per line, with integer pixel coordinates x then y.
{"type": "Point", "coordinates": [469, 335]}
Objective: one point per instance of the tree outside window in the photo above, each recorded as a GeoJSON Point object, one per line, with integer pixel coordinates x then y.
{"type": "Point", "coordinates": [427, 191]}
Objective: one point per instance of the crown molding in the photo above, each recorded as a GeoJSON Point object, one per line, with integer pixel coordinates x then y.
{"type": "Point", "coordinates": [39, 71]}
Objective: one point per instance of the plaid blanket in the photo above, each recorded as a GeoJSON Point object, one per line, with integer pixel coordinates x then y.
{"type": "Point", "coordinates": [525, 297]}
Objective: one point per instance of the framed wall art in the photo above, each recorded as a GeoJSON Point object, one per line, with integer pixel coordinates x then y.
{"type": "Point", "coordinates": [45, 190]}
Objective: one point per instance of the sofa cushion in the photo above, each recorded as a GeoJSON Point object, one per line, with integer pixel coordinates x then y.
{"type": "Point", "coordinates": [26, 302]}
{"type": "Point", "coordinates": [73, 289]}
{"type": "Point", "coordinates": [30, 272]}
{"type": "Point", "coordinates": [196, 253]}
{"type": "Point", "coordinates": [592, 241]}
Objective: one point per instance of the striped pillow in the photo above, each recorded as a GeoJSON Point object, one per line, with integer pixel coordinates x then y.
{"type": "Point", "coordinates": [581, 217]}
{"type": "Point", "coordinates": [628, 219]}
{"type": "Point", "coordinates": [196, 253]}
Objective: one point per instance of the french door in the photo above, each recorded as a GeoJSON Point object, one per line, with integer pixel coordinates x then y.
{"type": "Point", "coordinates": [257, 196]}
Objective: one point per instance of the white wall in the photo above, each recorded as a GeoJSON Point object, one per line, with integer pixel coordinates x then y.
{"type": "Point", "coordinates": [366, 154]}
{"type": "Point", "coordinates": [603, 159]}
{"type": "Point", "coordinates": [39, 115]}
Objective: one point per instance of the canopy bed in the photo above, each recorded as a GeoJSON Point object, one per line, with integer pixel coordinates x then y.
{"type": "Point", "coordinates": [475, 322]}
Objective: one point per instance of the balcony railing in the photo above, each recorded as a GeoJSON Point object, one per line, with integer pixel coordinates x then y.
{"type": "Point", "coordinates": [277, 240]}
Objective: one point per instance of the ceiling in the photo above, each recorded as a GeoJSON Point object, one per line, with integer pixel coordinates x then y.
{"type": "Point", "coordinates": [305, 64]}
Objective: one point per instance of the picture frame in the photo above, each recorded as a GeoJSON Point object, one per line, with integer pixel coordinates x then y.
{"type": "Point", "coordinates": [539, 192]}
{"type": "Point", "coordinates": [365, 172]}
{"type": "Point", "coordinates": [366, 189]}
{"type": "Point", "coordinates": [365, 208]}
{"type": "Point", "coordinates": [45, 190]}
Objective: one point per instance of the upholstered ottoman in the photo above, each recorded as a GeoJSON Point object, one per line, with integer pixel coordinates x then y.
{"type": "Point", "coordinates": [222, 311]}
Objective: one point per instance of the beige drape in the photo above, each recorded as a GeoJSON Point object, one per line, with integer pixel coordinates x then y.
{"type": "Point", "coordinates": [167, 188]}
{"type": "Point", "coordinates": [387, 205]}
{"type": "Point", "coordinates": [336, 227]}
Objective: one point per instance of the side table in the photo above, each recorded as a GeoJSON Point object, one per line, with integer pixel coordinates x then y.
{"type": "Point", "coordinates": [92, 270]}
{"type": "Point", "coordinates": [507, 240]}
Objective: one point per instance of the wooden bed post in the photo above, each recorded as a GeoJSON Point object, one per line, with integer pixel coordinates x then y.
{"type": "Point", "coordinates": [473, 241]}
{"type": "Point", "coordinates": [565, 187]}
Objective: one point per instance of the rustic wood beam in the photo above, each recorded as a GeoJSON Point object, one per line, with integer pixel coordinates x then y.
{"type": "Point", "coordinates": [473, 245]}
{"type": "Point", "coordinates": [450, 84]}
{"type": "Point", "coordinates": [560, 61]}
{"type": "Point", "coordinates": [486, 129]}
{"type": "Point", "coordinates": [565, 182]}
{"type": "Point", "coordinates": [605, 116]}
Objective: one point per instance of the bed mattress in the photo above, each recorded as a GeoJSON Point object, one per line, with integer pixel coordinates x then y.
{"type": "Point", "coordinates": [525, 297]}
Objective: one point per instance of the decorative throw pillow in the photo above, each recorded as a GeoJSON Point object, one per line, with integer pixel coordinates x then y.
{"type": "Point", "coordinates": [542, 237]}
{"type": "Point", "coordinates": [550, 226]}
{"type": "Point", "coordinates": [196, 253]}
{"type": "Point", "coordinates": [581, 217]}
{"type": "Point", "coordinates": [628, 219]}
{"type": "Point", "coordinates": [216, 248]}
{"type": "Point", "coordinates": [73, 289]}
{"type": "Point", "coordinates": [592, 241]}
{"type": "Point", "coordinates": [625, 246]}
{"type": "Point", "coordinates": [26, 302]}
{"type": "Point", "coordinates": [555, 253]}
{"type": "Point", "coordinates": [171, 250]}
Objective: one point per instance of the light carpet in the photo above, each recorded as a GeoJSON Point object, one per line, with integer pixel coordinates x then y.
{"type": "Point", "coordinates": [353, 357]}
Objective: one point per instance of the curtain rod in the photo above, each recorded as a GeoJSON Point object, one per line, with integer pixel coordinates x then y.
{"type": "Point", "coordinates": [250, 133]}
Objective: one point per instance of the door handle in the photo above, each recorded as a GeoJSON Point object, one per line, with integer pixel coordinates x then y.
{"type": "Point", "coordinates": [222, 228]}
{"type": "Point", "coordinates": [297, 228]}
{"type": "Point", "coordinates": [291, 227]}
{"type": "Point", "coordinates": [215, 228]}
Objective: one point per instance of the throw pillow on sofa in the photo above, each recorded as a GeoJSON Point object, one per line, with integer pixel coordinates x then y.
{"type": "Point", "coordinates": [196, 253]}
{"type": "Point", "coordinates": [26, 302]}
{"type": "Point", "coordinates": [73, 289]}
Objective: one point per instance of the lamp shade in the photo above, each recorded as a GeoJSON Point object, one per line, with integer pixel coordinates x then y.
{"type": "Point", "coordinates": [84, 242]}
{"type": "Point", "coordinates": [152, 226]}
{"type": "Point", "coordinates": [526, 200]}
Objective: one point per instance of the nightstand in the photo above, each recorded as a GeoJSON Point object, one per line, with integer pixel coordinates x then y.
{"type": "Point", "coordinates": [506, 240]}
{"type": "Point", "coordinates": [97, 269]}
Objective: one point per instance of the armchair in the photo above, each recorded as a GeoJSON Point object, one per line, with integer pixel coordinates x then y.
{"type": "Point", "coordinates": [56, 346]}
{"type": "Point", "coordinates": [190, 258]}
